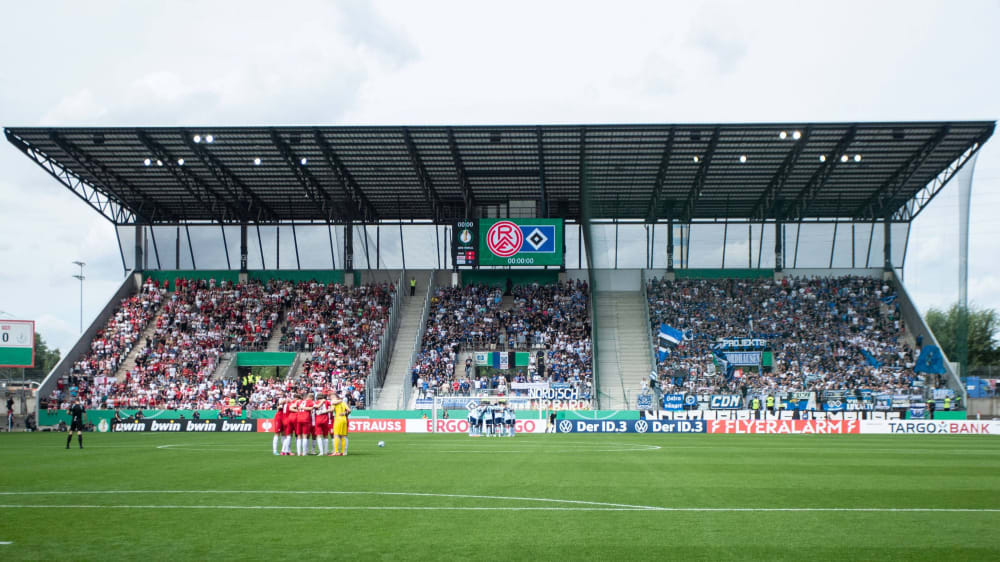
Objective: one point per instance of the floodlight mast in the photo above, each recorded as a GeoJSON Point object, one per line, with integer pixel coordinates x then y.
{"type": "Point", "coordinates": [81, 277]}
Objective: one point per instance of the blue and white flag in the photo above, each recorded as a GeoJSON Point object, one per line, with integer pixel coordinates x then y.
{"type": "Point", "coordinates": [889, 299]}
{"type": "Point", "coordinates": [723, 362]}
{"type": "Point", "coordinates": [871, 359]}
{"type": "Point", "coordinates": [669, 338]}
{"type": "Point", "coordinates": [930, 361]}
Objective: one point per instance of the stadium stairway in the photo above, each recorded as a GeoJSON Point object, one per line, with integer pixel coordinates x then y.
{"type": "Point", "coordinates": [129, 363]}
{"type": "Point", "coordinates": [402, 352]}
{"type": "Point", "coordinates": [275, 341]}
{"type": "Point", "coordinates": [623, 345]}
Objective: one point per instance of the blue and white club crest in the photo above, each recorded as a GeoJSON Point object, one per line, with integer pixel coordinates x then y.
{"type": "Point", "coordinates": [536, 238]}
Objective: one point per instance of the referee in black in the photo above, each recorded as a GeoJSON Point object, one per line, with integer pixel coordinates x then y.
{"type": "Point", "coordinates": [77, 412]}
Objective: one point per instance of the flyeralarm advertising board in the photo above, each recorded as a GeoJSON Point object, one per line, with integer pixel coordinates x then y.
{"type": "Point", "coordinates": [784, 426]}
{"type": "Point", "coordinates": [520, 242]}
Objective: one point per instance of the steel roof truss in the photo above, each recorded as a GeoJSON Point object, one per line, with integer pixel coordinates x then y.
{"type": "Point", "coordinates": [110, 208]}
{"type": "Point", "coordinates": [468, 198]}
{"type": "Point", "coordinates": [362, 205]}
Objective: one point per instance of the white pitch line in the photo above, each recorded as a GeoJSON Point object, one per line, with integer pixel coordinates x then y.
{"type": "Point", "coordinates": [586, 505]}
{"type": "Point", "coordinates": [328, 492]}
{"type": "Point", "coordinates": [6, 542]}
{"type": "Point", "coordinates": [466, 451]}
{"type": "Point", "coordinates": [511, 508]}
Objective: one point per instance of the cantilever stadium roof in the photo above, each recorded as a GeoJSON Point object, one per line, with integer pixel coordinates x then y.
{"type": "Point", "coordinates": [785, 171]}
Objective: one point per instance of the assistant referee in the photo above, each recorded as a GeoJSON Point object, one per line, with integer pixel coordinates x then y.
{"type": "Point", "coordinates": [77, 412]}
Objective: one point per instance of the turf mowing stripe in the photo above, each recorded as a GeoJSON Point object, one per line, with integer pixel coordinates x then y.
{"type": "Point", "coordinates": [333, 507]}
{"type": "Point", "coordinates": [512, 508]}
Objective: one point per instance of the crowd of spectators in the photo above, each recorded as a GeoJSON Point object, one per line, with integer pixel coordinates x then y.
{"type": "Point", "coordinates": [553, 318]}
{"type": "Point", "coordinates": [342, 328]}
{"type": "Point", "coordinates": [113, 342]}
{"type": "Point", "coordinates": [202, 319]}
{"type": "Point", "coordinates": [109, 346]}
{"type": "Point", "coordinates": [825, 334]}
{"type": "Point", "coordinates": [198, 322]}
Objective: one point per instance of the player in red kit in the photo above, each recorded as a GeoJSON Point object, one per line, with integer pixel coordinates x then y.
{"type": "Point", "coordinates": [297, 414]}
{"type": "Point", "coordinates": [306, 408]}
{"type": "Point", "coordinates": [279, 417]}
{"type": "Point", "coordinates": [322, 426]}
{"type": "Point", "coordinates": [288, 425]}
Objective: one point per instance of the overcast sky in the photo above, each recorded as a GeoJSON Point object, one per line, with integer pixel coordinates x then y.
{"type": "Point", "coordinates": [385, 63]}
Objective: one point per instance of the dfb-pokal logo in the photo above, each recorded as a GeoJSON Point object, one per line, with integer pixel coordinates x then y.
{"type": "Point", "coordinates": [504, 239]}
{"type": "Point", "coordinates": [565, 426]}
{"type": "Point", "coordinates": [641, 426]}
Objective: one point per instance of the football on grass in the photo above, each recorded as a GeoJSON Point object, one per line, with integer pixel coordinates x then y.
{"type": "Point", "coordinates": [381, 443]}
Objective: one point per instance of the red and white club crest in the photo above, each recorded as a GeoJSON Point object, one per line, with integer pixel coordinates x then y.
{"type": "Point", "coordinates": [504, 239]}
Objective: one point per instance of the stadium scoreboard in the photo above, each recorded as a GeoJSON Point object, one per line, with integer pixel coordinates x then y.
{"type": "Point", "coordinates": [17, 343]}
{"type": "Point", "coordinates": [509, 242]}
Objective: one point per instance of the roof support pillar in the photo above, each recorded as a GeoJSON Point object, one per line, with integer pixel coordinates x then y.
{"type": "Point", "coordinates": [887, 244]}
{"type": "Point", "coordinates": [348, 251]}
{"type": "Point", "coordinates": [138, 264]}
{"type": "Point", "coordinates": [778, 261]}
{"type": "Point", "coordinates": [670, 243]}
{"type": "Point", "coordinates": [243, 247]}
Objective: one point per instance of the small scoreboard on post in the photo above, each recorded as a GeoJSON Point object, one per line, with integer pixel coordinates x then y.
{"type": "Point", "coordinates": [17, 343]}
{"type": "Point", "coordinates": [465, 243]}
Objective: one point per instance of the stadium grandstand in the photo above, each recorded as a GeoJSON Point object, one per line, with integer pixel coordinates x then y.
{"type": "Point", "coordinates": [396, 264]}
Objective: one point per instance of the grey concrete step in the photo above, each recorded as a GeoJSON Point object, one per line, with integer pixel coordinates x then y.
{"type": "Point", "coordinates": [623, 342]}
{"type": "Point", "coordinates": [398, 372]}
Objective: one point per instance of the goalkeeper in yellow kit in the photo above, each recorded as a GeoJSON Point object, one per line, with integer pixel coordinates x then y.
{"type": "Point", "coordinates": [340, 412]}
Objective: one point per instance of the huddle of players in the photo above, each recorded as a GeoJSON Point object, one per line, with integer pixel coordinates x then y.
{"type": "Point", "coordinates": [491, 420]}
{"type": "Point", "coordinates": [311, 418]}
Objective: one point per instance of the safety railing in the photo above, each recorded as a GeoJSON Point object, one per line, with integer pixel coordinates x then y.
{"type": "Point", "coordinates": [649, 330]}
{"type": "Point", "coordinates": [380, 365]}
{"type": "Point", "coordinates": [407, 391]}
{"type": "Point", "coordinates": [599, 397]}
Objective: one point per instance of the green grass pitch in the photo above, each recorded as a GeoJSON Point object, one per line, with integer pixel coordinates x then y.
{"type": "Point", "coordinates": [538, 497]}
